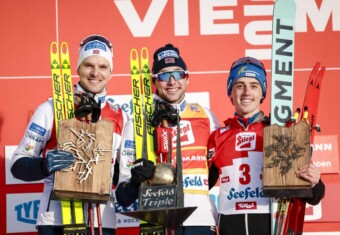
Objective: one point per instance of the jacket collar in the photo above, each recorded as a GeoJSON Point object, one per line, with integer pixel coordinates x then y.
{"type": "Point", "coordinates": [180, 106]}
{"type": "Point", "coordinates": [100, 98]}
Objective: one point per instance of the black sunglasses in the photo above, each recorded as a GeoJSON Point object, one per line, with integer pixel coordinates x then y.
{"type": "Point", "coordinates": [96, 37]}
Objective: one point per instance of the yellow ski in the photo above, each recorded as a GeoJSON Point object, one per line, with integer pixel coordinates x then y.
{"type": "Point", "coordinates": [72, 211]}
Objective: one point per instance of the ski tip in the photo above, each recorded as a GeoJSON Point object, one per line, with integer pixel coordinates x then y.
{"type": "Point", "coordinates": [54, 48]}
{"type": "Point", "coordinates": [133, 54]}
{"type": "Point", "coordinates": [144, 53]}
{"type": "Point", "coordinates": [64, 48]}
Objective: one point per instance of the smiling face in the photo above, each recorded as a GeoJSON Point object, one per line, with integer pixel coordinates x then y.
{"type": "Point", "coordinates": [94, 73]}
{"type": "Point", "coordinates": [172, 91]}
{"type": "Point", "coordinates": [246, 96]}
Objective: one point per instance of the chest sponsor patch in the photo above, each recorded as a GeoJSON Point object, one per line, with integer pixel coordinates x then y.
{"type": "Point", "coordinates": [186, 133]}
{"type": "Point", "coordinates": [245, 141]}
{"type": "Point", "coordinates": [246, 206]}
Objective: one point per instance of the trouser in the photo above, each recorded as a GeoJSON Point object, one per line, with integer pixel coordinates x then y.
{"type": "Point", "coordinates": [244, 224]}
{"type": "Point", "coordinates": [147, 229]}
{"type": "Point", "coordinates": [194, 230]}
{"type": "Point", "coordinates": [58, 230]}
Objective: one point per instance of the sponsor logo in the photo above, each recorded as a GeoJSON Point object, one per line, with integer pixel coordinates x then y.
{"type": "Point", "coordinates": [28, 148]}
{"type": "Point", "coordinates": [245, 194]}
{"type": "Point", "coordinates": [194, 108]}
{"type": "Point", "coordinates": [224, 129]}
{"type": "Point", "coordinates": [126, 107]}
{"type": "Point", "coordinates": [165, 140]}
{"type": "Point", "coordinates": [137, 165]}
{"type": "Point", "coordinates": [129, 144]}
{"type": "Point", "coordinates": [95, 45]}
{"type": "Point", "coordinates": [27, 212]}
{"type": "Point", "coordinates": [225, 179]}
{"type": "Point", "coordinates": [128, 153]}
{"type": "Point", "coordinates": [167, 53]}
{"type": "Point", "coordinates": [187, 136]}
{"type": "Point", "coordinates": [132, 207]}
{"type": "Point", "coordinates": [137, 105]}
{"type": "Point", "coordinates": [211, 153]}
{"type": "Point", "coordinates": [37, 129]}
{"type": "Point", "coordinates": [245, 141]}
{"type": "Point", "coordinates": [246, 206]}
{"type": "Point", "coordinates": [193, 181]}
{"type": "Point", "coordinates": [169, 60]}
{"type": "Point", "coordinates": [194, 158]}
{"type": "Point", "coordinates": [34, 137]}
{"type": "Point", "coordinates": [101, 99]}
{"type": "Point", "coordinates": [129, 163]}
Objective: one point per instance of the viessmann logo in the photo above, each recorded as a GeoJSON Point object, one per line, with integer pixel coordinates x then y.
{"type": "Point", "coordinates": [27, 212]}
{"type": "Point", "coordinates": [245, 141]}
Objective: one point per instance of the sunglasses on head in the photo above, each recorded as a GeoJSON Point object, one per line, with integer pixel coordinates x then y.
{"type": "Point", "coordinates": [165, 76]}
{"type": "Point", "coordinates": [248, 60]}
{"type": "Point", "coordinates": [96, 37]}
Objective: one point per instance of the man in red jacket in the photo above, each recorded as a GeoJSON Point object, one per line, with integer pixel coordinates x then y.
{"type": "Point", "coordinates": [239, 165]}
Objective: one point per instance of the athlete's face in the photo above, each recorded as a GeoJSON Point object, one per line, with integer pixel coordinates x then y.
{"type": "Point", "coordinates": [94, 73]}
{"type": "Point", "coordinates": [172, 91]}
{"type": "Point", "coordinates": [246, 96]}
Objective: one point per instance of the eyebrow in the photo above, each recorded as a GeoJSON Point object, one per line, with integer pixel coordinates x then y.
{"type": "Point", "coordinates": [252, 83]}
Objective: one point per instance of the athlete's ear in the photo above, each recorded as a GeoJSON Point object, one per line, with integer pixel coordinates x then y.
{"type": "Point", "coordinates": [231, 100]}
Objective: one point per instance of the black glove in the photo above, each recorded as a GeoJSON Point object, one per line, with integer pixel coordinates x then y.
{"type": "Point", "coordinates": [86, 106]}
{"type": "Point", "coordinates": [163, 111]}
{"type": "Point", "coordinates": [141, 170]}
{"type": "Point", "coordinates": [57, 160]}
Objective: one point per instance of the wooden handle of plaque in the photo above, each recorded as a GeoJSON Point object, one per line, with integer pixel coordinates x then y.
{"type": "Point", "coordinates": [89, 179]}
{"type": "Point", "coordinates": [285, 150]}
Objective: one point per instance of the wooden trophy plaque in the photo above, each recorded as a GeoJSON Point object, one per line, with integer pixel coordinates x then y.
{"type": "Point", "coordinates": [285, 150]}
{"type": "Point", "coordinates": [89, 178]}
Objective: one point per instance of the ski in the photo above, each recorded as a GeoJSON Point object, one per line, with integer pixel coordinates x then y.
{"type": "Point", "coordinates": [283, 36]}
{"type": "Point", "coordinates": [295, 220]}
{"type": "Point", "coordinates": [72, 211]}
{"type": "Point", "coordinates": [138, 116]}
{"type": "Point", "coordinates": [147, 101]}
{"type": "Point", "coordinates": [142, 104]}
{"type": "Point", "coordinates": [142, 111]}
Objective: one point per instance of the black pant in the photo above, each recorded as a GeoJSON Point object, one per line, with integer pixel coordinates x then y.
{"type": "Point", "coordinates": [256, 224]}
{"type": "Point", "coordinates": [147, 229]}
{"type": "Point", "coordinates": [195, 230]}
{"type": "Point", "coordinates": [58, 230]}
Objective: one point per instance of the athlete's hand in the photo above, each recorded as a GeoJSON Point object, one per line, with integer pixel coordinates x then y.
{"type": "Point", "coordinates": [141, 170]}
{"type": "Point", "coordinates": [57, 160]}
{"type": "Point", "coordinates": [88, 109]}
{"type": "Point", "coordinates": [310, 173]}
{"type": "Point", "coordinates": [163, 111]}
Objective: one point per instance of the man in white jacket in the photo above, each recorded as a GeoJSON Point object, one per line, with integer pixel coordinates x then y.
{"type": "Point", "coordinates": [36, 156]}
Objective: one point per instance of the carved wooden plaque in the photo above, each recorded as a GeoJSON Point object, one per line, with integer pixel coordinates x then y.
{"type": "Point", "coordinates": [285, 150]}
{"type": "Point", "coordinates": [89, 178]}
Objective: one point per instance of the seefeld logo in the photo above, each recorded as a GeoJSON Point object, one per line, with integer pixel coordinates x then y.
{"type": "Point", "coordinates": [27, 212]}
{"type": "Point", "coordinates": [192, 182]}
{"type": "Point", "coordinates": [245, 141]}
{"type": "Point", "coordinates": [245, 194]}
